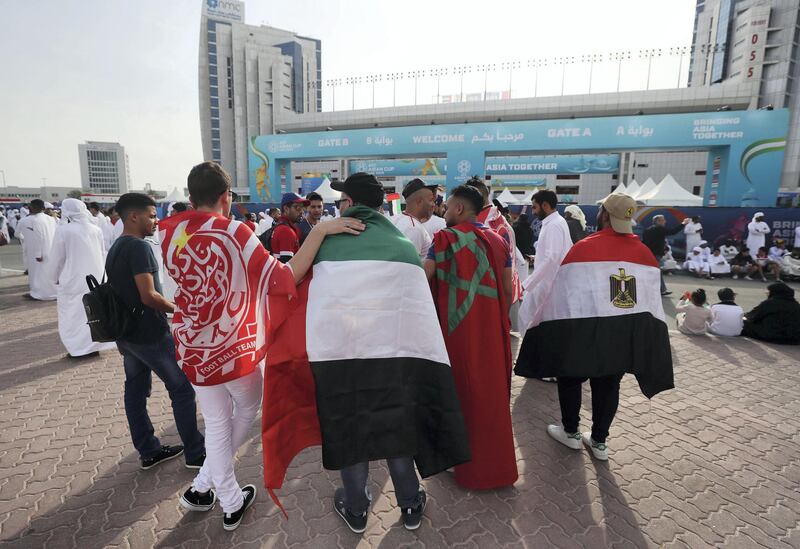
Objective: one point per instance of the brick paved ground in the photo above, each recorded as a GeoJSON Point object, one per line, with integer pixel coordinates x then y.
{"type": "Point", "coordinates": [712, 463]}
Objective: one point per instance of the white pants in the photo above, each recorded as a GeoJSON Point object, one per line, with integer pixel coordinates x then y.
{"type": "Point", "coordinates": [228, 412]}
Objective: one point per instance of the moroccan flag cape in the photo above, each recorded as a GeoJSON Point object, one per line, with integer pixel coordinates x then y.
{"type": "Point", "coordinates": [223, 275]}
{"type": "Point", "coordinates": [383, 386]}
{"type": "Point", "coordinates": [492, 218]}
{"type": "Point", "coordinates": [604, 317]}
{"type": "Point", "coordinates": [473, 314]}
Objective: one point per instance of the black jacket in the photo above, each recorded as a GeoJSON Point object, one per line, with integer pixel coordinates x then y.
{"type": "Point", "coordinates": [576, 232]}
{"type": "Point", "coordinates": [776, 319]}
{"type": "Point", "coordinates": [523, 234]}
{"type": "Point", "coordinates": [655, 237]}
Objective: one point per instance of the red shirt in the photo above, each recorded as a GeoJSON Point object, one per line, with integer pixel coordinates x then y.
{"type": "Point", "coordinates": [285, 238]}
{"type": "Point", "coordinates": [250, 224]}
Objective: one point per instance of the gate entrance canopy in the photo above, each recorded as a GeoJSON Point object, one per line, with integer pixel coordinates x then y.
{"type": "Point", "coordinates": [744, 161]}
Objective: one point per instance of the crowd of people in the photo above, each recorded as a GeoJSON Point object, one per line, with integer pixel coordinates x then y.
{"type": "Point", "coordinates": [377, 337]}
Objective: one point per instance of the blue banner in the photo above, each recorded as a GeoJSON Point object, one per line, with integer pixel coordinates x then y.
{"type": "Point", "coordinates": [745, 148]}
{"type": "Point", "coordinates": [563, 164]}
{"type": "Point", "coordinates": [420, 167]}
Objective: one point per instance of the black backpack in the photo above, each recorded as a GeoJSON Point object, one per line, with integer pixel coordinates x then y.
{"type": "Point", "coordinates": [109, 318]}
{"type": "Point", "coordinates": [266, 237]}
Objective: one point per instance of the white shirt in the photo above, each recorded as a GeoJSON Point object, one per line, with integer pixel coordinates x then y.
{"type": "Point", "coordinates": [797, 237]}
{"type": "Point", "coordinates": [776, 254]}
{"type": "Point", "coordinates": [726, 320]}
{"type": "Point", "coordinates": [413, 230]}
{"type": "Point", "coordinates": [553, 244]}
{"type": "Point", "coordinates": [719, 265]}
{"type": "Point", "coordinates": [434, 225]}
{"type": "Point", "coordinates": [755, 236]}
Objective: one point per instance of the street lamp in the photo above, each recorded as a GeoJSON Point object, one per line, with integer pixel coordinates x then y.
{"type": "Point", "coordinates": [4, 178]}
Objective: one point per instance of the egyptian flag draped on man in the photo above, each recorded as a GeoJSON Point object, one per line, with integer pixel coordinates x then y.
{"type": "Point", "coordinates": [473, 313]}
{"type": "Point", "coordinates": [221, 306]}
{"type": "Point", "coordinates": [604, 317]}
{"type": "Point", "coordinates": [379, 383]}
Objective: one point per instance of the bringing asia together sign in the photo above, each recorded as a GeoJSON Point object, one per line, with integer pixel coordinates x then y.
{"type": "Point", "coordinates": [746, 148]}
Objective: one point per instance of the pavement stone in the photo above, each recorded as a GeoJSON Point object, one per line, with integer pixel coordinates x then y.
{"type": "Point", "coordinates": [713, 463]}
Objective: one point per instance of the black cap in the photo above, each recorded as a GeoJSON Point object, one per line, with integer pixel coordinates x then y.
{"type": "Point", "coordinates": [363, 188]}
{"type": "Point", "coordinates": [415, 185]}
{"type": "Point", "coordinates": [726, 294]}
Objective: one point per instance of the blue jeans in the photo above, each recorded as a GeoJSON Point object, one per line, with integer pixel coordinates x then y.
{"type": "Point", "coordinates": [141, 360]}
{"type": "Point", "coordinates": [404, 479]}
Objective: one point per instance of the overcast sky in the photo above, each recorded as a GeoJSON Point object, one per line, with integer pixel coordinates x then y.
{"type": "Point", "coordinates": [115, 70]}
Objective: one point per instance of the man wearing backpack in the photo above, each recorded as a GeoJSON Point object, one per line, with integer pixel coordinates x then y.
{"type": "Point", "coordinates": [286, 235]}
{"type": "Point", "coordinates": [149, 348]}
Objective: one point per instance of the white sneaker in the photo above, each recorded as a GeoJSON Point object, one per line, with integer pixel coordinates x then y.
{"type": "Point", "coordinates": [570, 440]}
{"type": "Point", "coordinates": [736, 277]}
{"type": "Point", "coordinates": [599, 449]}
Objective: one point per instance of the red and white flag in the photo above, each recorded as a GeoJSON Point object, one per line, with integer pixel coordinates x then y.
{"type": "Point", "coordinates": [224, 275]}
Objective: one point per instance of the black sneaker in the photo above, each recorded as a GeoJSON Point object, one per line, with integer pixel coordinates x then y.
{"type": "Point", "coordinates": [356, 523]}
{"type": "Point", "coordinates": [193, 500]}
{"type": "Point", "coordinates": [165, 454]}
{"type": "Point", "coordinates": [197, 462]}
{"type": "Point", "coordinates": [231, 521]}
{"type": "Point", "coordinates": [412, 516]}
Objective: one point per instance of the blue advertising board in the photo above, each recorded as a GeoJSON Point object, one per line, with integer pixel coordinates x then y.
{"type": "Point", "coordinates": [745, 147]}
{"type": "Point", "coordinates": [558, 163]}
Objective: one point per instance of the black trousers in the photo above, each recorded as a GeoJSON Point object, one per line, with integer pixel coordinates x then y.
{"type": "Point", "coordinates": [605, 400]}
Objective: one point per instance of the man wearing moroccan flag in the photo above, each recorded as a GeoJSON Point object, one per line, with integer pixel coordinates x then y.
{"type": "Point", "coordinates": [470, 269]}
{"type": "Point", "coordinates": [224, 276]}
{"type": "Point", "coordinates": [603, 319]}
{"type": "Point", "coordinates": [381, 374]}
{"type": "Point", "coordinates": [491, 217]}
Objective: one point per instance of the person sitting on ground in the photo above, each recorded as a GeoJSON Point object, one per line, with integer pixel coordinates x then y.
{"type": "Point", "coordinates": [726, 316]}
{"type": "Point", "coordinates": [718, 264]}
{"type": "Point", "coordinates": [705, 252]}
{"type": "Point", "coordinates": [668, 263]}
{"type": "Point", "coordinates": [777, 253]}
{"type": "Point", "coordinates": [695, 265]}
{"type": "Point", "coordinates": [729, 250]}
{"type": "Point", "coordinates": [693, 315]}
{"type": "Point", "coordinates": [765, 266]}
{"type": "Point", "coordinates": [791, 264]}
{"type": "Point", "coordinates": [743, 264]}
{"type": "Point", "coordinates": [777, 318]}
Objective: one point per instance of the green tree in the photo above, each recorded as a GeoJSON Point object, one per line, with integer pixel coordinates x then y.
{"type": "Point", "coordinates": [75, 193]}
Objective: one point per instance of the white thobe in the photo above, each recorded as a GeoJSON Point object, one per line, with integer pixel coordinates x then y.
{"type": "Point", "coordinates": [797, 237]}
{"type": "Point", "coordinates": [553, 244]}
{"type": "Point", "coordinates": [77, 253]}
{"type": "Point", "coordinates": [264, 225]}
{"type": "Point", "coordinates": [718, 264]}
{"type": "Point", "coordinates": [693, 236]}
{"type": "Point", "coordinates": [756, 231]}
{"type": "Point", "coordinates": [36, 233]}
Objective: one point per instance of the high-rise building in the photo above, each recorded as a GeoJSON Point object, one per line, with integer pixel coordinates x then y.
{"type": "Point", "coordinates": [753, 41]}
{"type": "Point", "coordinates": [104, 167]}
{"type": "Point", "coordinates": [248, 75]}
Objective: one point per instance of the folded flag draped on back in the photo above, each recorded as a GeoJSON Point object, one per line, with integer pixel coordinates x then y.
{"type": "Point", "coordinates": [383, 386]}
{"type": "Point", "coordinates": [223, 275]}
{"type": "Point", "coordinates": [492, 218]}
{"type": "Point", "coordinates": [604, 317]}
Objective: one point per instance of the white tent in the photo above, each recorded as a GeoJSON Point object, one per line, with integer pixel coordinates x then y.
{"type": "Point", "coordinates": [620, 189]}
{"type": "Point", "coordinates": [329, 196]}
{"type": "Point", "coordinates": [175, 196]}
{"type": "Point", "coordinates": [527, 198]}
{"type": "Point", "coordinates": [669, 193]}
{"type": "Point", "coordinates": [507, 198]}
{"type": "Point", "coordinates": [646, 188]}
{"type": "Point", "coordinates": [632, 189]}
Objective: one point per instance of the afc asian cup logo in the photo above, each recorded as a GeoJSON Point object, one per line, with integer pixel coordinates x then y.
{"type": "Point", "coordinates": [463, 168]}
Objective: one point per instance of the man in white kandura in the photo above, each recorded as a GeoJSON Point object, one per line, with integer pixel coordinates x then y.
{"type": "Point", "coordinates": [36, 232]}
{"type": "Point", "coordinates": [757, 230]}
{"type": "Point", "coordinates": [77, 252]}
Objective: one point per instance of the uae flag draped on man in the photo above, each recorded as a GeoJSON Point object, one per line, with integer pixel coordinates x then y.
{"type": "Point", "coordinates": [220, 336]}
{"type": "Point", "coordinates": [375, 382]}
{"type": "Point", "coordinates": [599, 321]}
